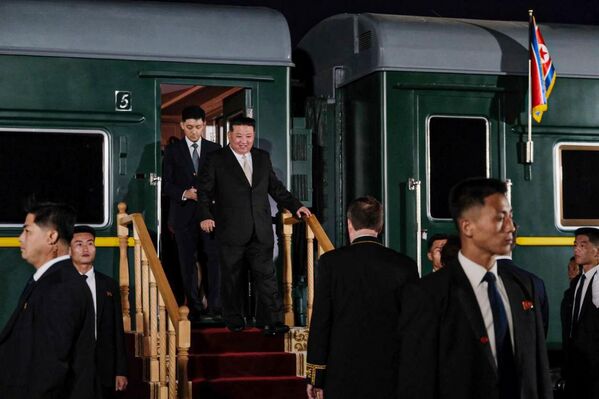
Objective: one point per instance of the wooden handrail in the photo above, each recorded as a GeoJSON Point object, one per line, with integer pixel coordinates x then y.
{"type": "Point", "coordinates": [312, 221]}
{"type": "Point", "coordinates": [314, 231]}
{"type": "Point", "coordinates": [162, 329]}
{"type": "Point", "coordinates": [162, 282]}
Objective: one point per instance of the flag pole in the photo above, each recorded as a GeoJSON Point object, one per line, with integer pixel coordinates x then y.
{"type": "Point", "coordinates": [529, 144]}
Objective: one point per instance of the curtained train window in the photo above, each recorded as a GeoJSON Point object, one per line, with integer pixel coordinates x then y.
{"type": "Point", "coordinates": [457, 148]}
{"type": "Point", "coordinates": [576, 184]}
{"type": "Point", "coordinates": [68, 166]}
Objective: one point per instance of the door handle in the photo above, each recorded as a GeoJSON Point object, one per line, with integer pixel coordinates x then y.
{"type": "Point", "coordinates": [414, 185]}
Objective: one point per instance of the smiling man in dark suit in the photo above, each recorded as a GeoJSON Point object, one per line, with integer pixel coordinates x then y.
{"type": "Point", "coordinates": [47, 347]}
{"type": "Point", "coordinates": [353, 346]}
{"type": "Point", "coordinates": [182, 161]}
{"type": "Point", "coordinates": [240, 178]}
{"type": "Point", "coordinates": [473, 329]}
{"type": "Point", "coordinates": [111, 359]}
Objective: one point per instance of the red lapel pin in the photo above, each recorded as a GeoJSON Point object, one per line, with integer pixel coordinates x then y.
{"type": "Point", "coordinates": [527, 305]}
{"type": "Point", "coordinates": [484, 340]}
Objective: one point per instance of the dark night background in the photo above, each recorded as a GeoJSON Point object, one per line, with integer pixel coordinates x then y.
{"type": "Point", "coordinates": [302, 15]}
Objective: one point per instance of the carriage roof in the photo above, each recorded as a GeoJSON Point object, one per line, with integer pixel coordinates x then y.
{"type": "Point", "coordinates": [145, 31]}
{"type": "Point", "coordinates": [365, 43]}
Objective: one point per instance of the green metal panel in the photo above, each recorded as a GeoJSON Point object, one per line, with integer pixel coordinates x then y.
{"type": "Point", "coordinates": [301, 161]}
{"type": "Point", "coordinates": [53, 92]}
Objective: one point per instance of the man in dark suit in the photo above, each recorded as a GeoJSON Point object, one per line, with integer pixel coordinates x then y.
{"type": "Point", "coordinates": [580, 320]}
{"type": "Point", "coordinates": [182, 161]}
{"type": "Point", "coordinates": [239, 178]}
{"type": "Point", "coordinates": [473, 329]}
{"type": "Point", "coordinates": [111, 359]}
{"type": "Point", "coordinates": [47, 347]}
{"type": "Point", "coordinates": [353, 345]}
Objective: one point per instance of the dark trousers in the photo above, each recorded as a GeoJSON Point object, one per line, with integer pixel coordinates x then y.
{"type": "Point", "coordinates": [233, 261]}
{"type": "Point", "coordinates": [193, 246]}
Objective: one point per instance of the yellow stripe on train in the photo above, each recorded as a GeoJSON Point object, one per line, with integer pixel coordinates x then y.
{"type": "Point", "coordinates": [109, 242]}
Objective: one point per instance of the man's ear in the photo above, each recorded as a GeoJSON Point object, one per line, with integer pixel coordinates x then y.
{"type": "Point", "coordinates": [429, 256]}
{"type": "Point", "coordinates": [466, 226]}
{"type": "Point", "coordinates": [52, 237]}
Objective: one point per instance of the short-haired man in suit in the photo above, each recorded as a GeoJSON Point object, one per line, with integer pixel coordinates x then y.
{"type": "Point", "coordinates": [240, 178]}
{"type": "Point", "coordinates": [182, 161]}
{"type": "Point", "coordinates": [47, 347]}
{"type": "Point", "coordinates": [580, 320]}
{"type": "Point", "coordinates": [111, 359]}
{"type": "Point", "coordinates": [472, 330]}
{"type": "Point", "coordinates": [353, 346]}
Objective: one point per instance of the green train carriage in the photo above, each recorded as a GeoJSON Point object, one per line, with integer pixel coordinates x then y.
{"type": "Point", "coordinates": [91, 91]}
{"type": "Point", "coordinates": [411, 105]}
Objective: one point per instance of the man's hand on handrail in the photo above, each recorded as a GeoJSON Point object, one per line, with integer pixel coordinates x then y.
{"type": "Point", "coordinates": [207, 225]}
{"type": "Point", "coordinates": [303, 211]}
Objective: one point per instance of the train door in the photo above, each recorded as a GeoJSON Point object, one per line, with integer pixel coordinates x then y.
{"type": "Point", "coordinates": [458, 136]}
{"type": "Point", "coordinates": [220, 103]}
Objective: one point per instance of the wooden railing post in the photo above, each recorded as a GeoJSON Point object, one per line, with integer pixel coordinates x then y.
{"type": "Point", "coordinates": [139, 315]}
{"type": "Point", "coordinates": [162, 347]}
{"type": "Point", "coordinates": [287, 271]}
{"type": "Point", "coordinates": [123, 234]}
{"type": "Point", "coordinates": [183, 344]}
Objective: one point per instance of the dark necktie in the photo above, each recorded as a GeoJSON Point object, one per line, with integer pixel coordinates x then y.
{"type": "Point", "coordinates": [506, 368]}
{"type": "Point", "coordinates": [577, 300]}
{"type": "Point", "coordinates": [195, 157]}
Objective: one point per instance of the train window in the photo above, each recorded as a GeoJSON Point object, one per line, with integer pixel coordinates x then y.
{"type": "Point", "coordinates": [68, 166]}
{"type": "Point", "coordinates": [577, 187]}
{"type": "Point", "coordinates": [457, 148]}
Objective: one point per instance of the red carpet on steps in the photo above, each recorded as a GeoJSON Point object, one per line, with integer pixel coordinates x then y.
{"type": "Point", "coordinates": [244, 365]}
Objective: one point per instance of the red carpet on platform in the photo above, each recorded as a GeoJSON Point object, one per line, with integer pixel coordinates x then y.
{"type": "Point", "coordinates": [244, 365]}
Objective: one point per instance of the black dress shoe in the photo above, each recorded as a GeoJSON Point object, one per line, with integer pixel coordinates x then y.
{"type": "Point", "coordinates": [235, 324]}
{"type": "Point", "coordinates": [274, 329]}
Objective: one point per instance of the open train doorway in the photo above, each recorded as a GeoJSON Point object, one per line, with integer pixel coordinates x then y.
{"type": "Point", "coordinates": [220, 103]}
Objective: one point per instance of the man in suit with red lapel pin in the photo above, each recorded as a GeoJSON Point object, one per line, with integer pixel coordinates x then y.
{"type": "Point", "coordinates": [182, 161]}
{"type": "Point", "coordinates": [472, 330]}
{"type": "Point", "coordinates": [239, 178]}
{"type": "Point", "coordinates": [111, 359]}
{"type": "Point", "coordinates": [47, 347]}
{"type": "Point", "coordinates": [580, 320]}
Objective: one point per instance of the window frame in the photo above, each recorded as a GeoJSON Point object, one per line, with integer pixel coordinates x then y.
{"type": "Point", "coordinates": [428, 158]}
{"type": "Point", "coordinates": [106, 160]}
{"type": "Point", "coordinates": [560, 222]}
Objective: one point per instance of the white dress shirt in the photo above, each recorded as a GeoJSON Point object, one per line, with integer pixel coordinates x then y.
{"type": "Point", "coordinates": [190, 148]}
{"type": "Point", "coordinates": [595, 289]}
{"type": "Point", "coordinates": [475, 274]}
{"type": "Point", "coordinates": [91, 283]}
{"type": "Point", "coordinates": [42, 269]}
{"type": "Point", "coordinates": [239, 157]}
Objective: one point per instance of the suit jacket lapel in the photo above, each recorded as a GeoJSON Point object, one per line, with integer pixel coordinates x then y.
{"type": "Point", "coordinates": [470, 308]}
{"type": "Point", "coordinates": [186, 155]}
{"type": "Point", "coordinates": [258, 165]}
{"type": "Point", "coordinates": [588, 298]}
{"type": "Point", "coordinates": [521, 321]}
{"type": "Point", "coordinates": [101, 290]}
{"type": "Point", "coordinates": [236, 167]}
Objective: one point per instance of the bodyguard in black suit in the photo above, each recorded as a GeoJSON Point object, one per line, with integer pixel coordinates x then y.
{"type": "Point", "coordinates": [182, 161]}
{"type": "Point", "coordinates": [239, 178]}
{"type": "Point", "coordinates": [473, 329]}
{"type": "Point", "coordinates": [353, 344]}
{"type": "Point", "coordinates": [47, 347]}
{"type": "Point", "coordinates": [580, 320]}
{"type": "Point", "coordinates": [111, 358]}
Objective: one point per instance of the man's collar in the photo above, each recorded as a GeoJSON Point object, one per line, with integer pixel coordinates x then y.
{"type": "Point", "coordinates": [189, 142]}
{"type": "Point", "coordinates": [43, 268]}
{"type": "Point", "coordinates": [474, 271]}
